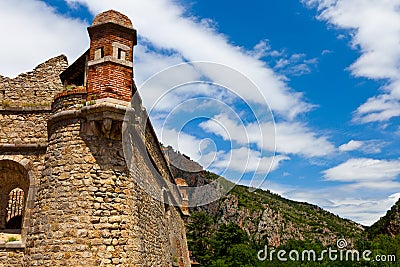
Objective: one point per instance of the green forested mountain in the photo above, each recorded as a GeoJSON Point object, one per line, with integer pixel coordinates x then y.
{"type": "Point", "coordinates": [388, 224]}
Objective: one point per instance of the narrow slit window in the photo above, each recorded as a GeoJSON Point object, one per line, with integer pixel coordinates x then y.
{"type": "Point", "coordinates": [99, 53]}
{"type": "Point", "coordinates": [166, 201]}
{"type": "Point", "coordinates": [121, 54]}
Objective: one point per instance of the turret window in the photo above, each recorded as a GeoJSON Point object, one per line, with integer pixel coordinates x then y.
{"type": "Point", "coordinates": [120, 51]}
{"type": "Point", "coordinates": [98, 53]}
{"type": "Point", "coordinates": [121, 54]}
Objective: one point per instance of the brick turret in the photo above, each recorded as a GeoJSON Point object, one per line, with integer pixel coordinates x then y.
{"type": "Point", "coordinates": [110, 65]}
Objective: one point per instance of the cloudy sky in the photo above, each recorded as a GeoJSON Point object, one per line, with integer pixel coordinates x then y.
{"type": "Point", "coordinates": [314, 82]}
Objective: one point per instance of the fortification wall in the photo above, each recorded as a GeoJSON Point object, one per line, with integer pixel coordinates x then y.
{"type": "Point", "coordinates": [24, 111]}
{"type": "Point", "coordinates": [28, 126]}
{"type": "Point", "coordinates": [159, 162]}
{"type": "Point", "coordinates": [11, 257]}
{"type": "Point", "coordinates": [83, 203]}
{"type": "Point", "coordinates": [25, 102]}
{"type": "Point", "coordinates": [33, 89]}
{"type": "Point", "coordinates": [177, 237]}
{"type": "Point", "coordinates": [90, 209]}
{"type": "Point", "coordinates": [85, 206]}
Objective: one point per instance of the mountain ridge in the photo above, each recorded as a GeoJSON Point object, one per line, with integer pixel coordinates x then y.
{"type": "Point", "coordinates": [232, 230]}
{"type": "Point", "coordinates": [263, 214]}
{"type": "Point", "coordinates": [388, 224]}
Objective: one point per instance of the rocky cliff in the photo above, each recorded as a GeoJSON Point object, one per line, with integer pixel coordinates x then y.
{"type": "Point", "coordinates": [265, 215]}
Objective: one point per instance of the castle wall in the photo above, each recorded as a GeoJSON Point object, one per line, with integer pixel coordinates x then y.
{"type": "Point", "coordinates": [84, 206]}
{"type": "Point", "coordinates": [81, 203]}
{"type": "Point", "coordinates": [177, 237]}
{"type": "Point", "coordinates": [173, 225]}
{"type": "Point", "coordinates": [24, 111]}
{"type": "Point", "coordinates": [91, 211]}
{"type": "Point", "coordinates": [25, 103]}
{"type": "Point", "coordinates": [33, 89]}
{"type": "Point", "coordinates": [11, 257]}
{"type": "Point", "coordinates": [159, 161]}
{"type": "Point", "coordinates": [28, 126]}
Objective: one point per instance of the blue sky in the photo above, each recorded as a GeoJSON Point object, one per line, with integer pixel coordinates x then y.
{"type": "Point", "coordinates": [329, 70]}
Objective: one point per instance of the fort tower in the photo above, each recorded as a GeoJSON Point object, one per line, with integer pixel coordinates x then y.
{"type": "Point", "coordinates": [110, 72]}
{"type": "Point", "coordinates": [82, 204]}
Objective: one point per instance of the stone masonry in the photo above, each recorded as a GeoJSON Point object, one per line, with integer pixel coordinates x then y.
{"type": "Point", "coordinates": [97, 188]}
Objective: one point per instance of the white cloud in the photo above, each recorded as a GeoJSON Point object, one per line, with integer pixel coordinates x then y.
{"type": "Point", "coordinates": [186, 144]}
{"type": "Point", "coordinates": [290, 138]}
{"type": "Point", "coordinates": [33, 33]}
{"type": "Point", "coordinates": [297, 138]}
{"type": "Point", "coordinates": [375, 31]}
{"type": "Point", "coordinates": [245, 160]}
{"type": "Point", "coordinates": [364, 211]}
{"type": "Point", "coordinates": [378, 108]}
{"type": "Point", "coordinates": [358, 204]}
{"type": "Point", "coordinates": [148, 63]}
{"type": "Point", "coordinates": [241, 159]}
{"type": "Point", "coordinates": [326, 52]}
{"type": "Point", "coordinates": [366, 172]}
{"type": "Point", "coordinates": [296, 64]}
{"type": "Point", "coordinates": [197, 41]}
{"type": "Point", "coordinates": [351, 145]}
{"type": "Point", "coordinates": [367, 146]}
{"type": "Point", "coordinates": [263, 49]}
{"type": "Point", "coordinates": [229, 129]}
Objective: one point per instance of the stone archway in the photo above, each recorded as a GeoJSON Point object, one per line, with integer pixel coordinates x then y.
{"type": "Point", "coordinates": [15, 209]}
{"type": "Point", "coordinates": [15, 175]}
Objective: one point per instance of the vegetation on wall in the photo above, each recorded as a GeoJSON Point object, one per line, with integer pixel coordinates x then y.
{"type": "Point", "coordinates": [5, 103]}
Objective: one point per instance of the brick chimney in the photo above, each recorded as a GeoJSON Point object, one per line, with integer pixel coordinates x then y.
{"type": "Point", "coordinates": [110, 65]}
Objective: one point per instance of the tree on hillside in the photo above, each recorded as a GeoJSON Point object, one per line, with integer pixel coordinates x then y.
{"type": "Point", "coordinates": [199, 232]}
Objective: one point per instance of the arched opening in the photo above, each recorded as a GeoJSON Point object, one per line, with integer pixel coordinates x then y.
{"type": "Point", "coordinates": [15, 209]}
{"type": "Point", "coordinates": [15, 184]}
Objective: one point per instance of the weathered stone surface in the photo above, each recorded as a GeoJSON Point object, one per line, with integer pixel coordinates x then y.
{"type": "Point", "coordinates": [33, 89]}
{"type": "Point", "coordinates": [11, 257]}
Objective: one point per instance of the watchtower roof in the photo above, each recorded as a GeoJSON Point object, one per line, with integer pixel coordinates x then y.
{"type": "Point", "coordinates": [113, 17]}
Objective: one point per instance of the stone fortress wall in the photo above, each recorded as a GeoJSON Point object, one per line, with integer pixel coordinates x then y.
{"type": "Point", "coordinates": [36, 88]}
{"type": "Point", "coordinates": [25, 106]}
{"type": "Point", "coordinates": [84, 204]}
{"type": "Point", "coordinates": [25, 102]}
